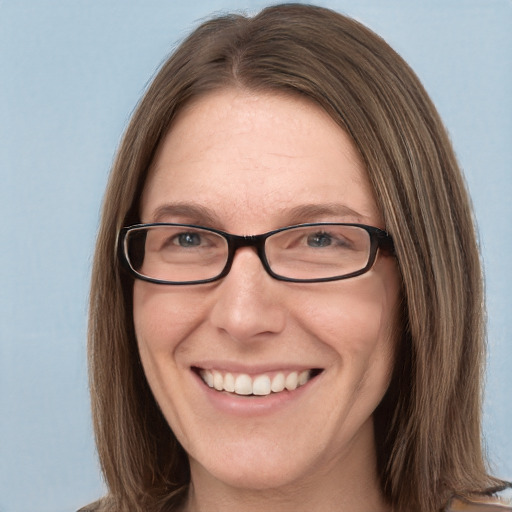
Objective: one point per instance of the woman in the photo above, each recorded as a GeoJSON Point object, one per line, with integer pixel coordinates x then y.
{"type": "Point", "coordinates": [294, 295]}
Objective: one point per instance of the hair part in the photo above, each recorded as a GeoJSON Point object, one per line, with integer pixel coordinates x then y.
{"type": "Point", "coordinates": [428, 426]}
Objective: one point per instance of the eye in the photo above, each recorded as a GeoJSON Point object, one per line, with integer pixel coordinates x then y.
{"type": "Point", "coordinates": [187, 239]}
{"type": "Point", "coordinates": [319, 240]}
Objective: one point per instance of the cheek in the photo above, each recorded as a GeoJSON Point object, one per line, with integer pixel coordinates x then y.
{"type": "Point", "coordinates": [164, 316]}
{"type": "Point", "coordinates": [356, 318]}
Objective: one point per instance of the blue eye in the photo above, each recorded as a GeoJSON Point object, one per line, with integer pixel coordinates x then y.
{"type": "Point", "coordinates": [319, 240]}
{"type": "Point", "coordinates": [188, 240]}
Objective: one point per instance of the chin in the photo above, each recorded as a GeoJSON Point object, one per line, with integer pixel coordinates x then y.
{"type": "Point", "coordinates": [263, 463]}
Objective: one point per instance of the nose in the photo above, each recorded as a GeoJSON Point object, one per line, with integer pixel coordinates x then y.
{"type": "Point", "coordinates": [249, 303]}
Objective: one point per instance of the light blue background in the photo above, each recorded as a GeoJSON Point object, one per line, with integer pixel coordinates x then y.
{"type": "Point", "coordinates": [70, 74]}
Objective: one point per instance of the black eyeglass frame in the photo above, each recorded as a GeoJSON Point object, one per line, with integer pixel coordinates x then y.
{"type": "Point", "coordinates": [379, 239]}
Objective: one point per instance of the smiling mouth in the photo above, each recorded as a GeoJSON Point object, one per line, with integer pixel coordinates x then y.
{"type": "Point", "coordinates": [260, 385]}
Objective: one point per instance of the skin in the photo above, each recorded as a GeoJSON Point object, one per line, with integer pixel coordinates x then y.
{"type": "Point", "coordinates": [258, 162]}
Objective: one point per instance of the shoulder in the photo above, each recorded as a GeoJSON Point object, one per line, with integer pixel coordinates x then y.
{"type": "Point", "coordinates": [499, 502]}
{"type": "Point", "coordinates": [97, 506]}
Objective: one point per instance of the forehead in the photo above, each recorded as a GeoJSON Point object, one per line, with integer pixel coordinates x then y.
{"type": "Point", "coordinates": [253, 157]}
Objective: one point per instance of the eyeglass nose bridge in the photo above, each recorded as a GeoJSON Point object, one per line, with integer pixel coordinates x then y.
{"type": "Point", "coordinates": [236, 242]}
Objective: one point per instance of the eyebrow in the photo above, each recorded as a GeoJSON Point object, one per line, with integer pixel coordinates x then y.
{"type": "Point", "coordinates": [311, 212]}
{"type": "Point", "coordinates": [201, 215]}
{"type": "Point", "coordinates": [194, 213]}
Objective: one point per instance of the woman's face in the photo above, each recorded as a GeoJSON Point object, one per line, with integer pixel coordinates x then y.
{"type": "Point", "coordinates": [246, 164]}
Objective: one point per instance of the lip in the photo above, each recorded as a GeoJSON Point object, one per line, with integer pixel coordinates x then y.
{"type": "Point", "coordinates": [247, 406]}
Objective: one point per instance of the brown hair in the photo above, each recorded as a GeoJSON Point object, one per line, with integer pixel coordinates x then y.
{"type": "Point", "coordinates": [428, 426]}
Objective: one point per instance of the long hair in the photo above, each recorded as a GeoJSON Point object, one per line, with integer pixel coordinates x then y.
{"type": "Point", "coordinates": [428, 427]}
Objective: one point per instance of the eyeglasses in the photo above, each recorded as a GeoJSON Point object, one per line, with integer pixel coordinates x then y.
{"type": "Point", "coordinates": [183, 254]}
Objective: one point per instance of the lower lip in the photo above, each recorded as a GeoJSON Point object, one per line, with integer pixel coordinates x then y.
{"type": "Point", "coordinates": [252, 405]}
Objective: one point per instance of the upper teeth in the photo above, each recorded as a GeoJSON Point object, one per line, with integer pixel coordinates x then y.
{"type": "Point", "coordinates": [243, 384]}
